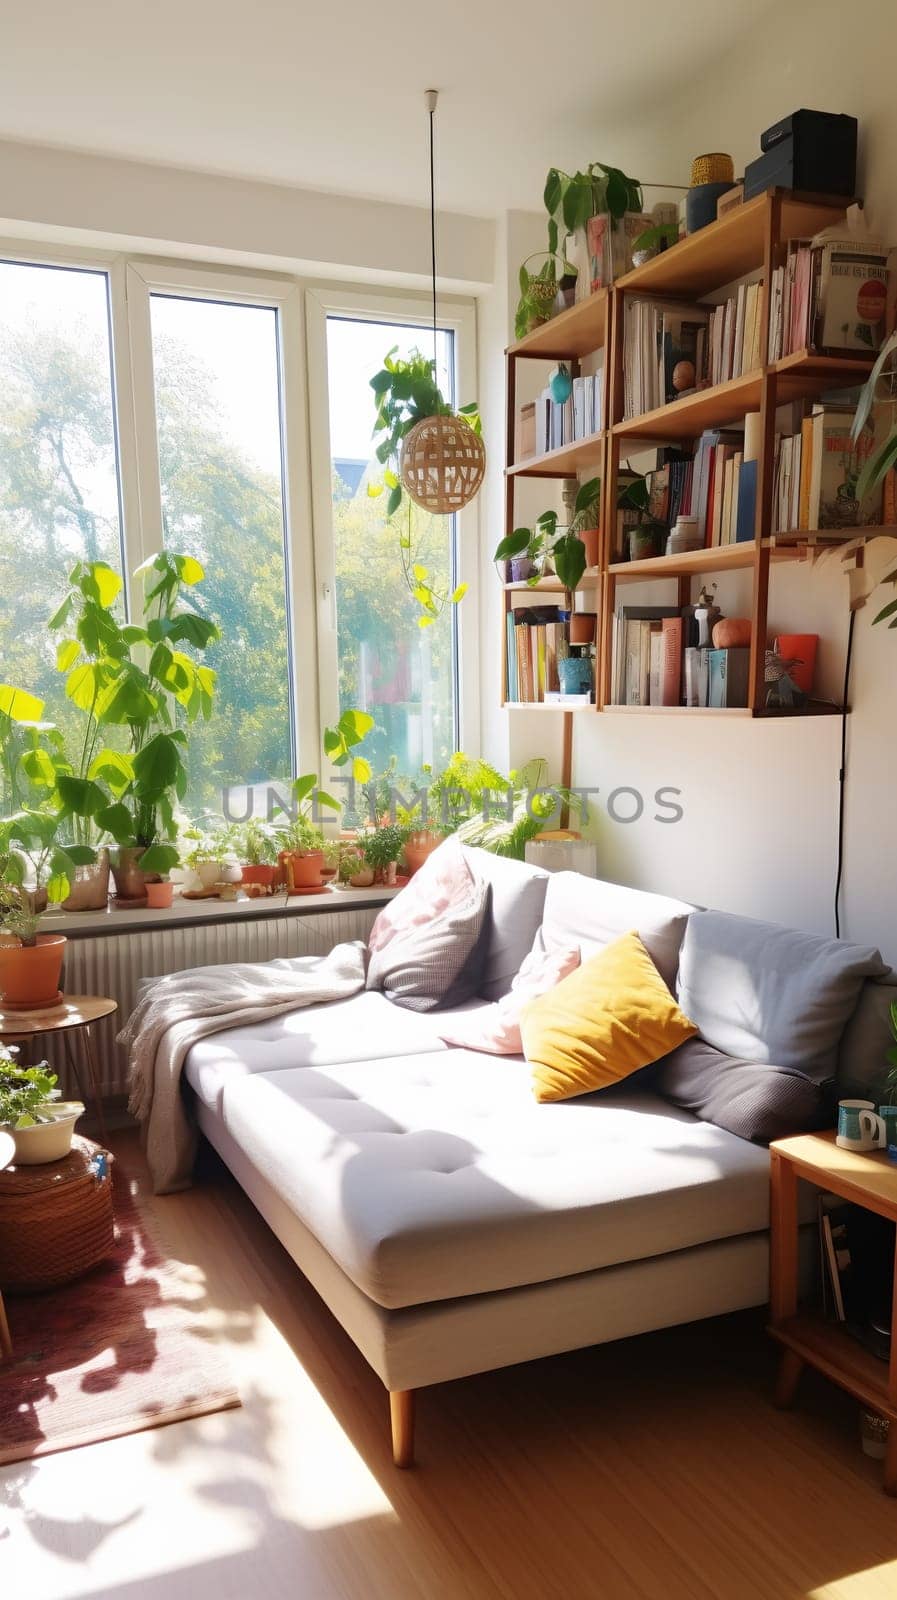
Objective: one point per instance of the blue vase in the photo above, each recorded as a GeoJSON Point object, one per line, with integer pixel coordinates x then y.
{"type": "Point", "coordinates": [575, 673]}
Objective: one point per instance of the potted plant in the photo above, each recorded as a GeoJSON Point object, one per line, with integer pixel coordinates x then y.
{"type": "Point", "coordinates": [40, 1123]}
{"type": "Point", "coordinates": [30, 962]}
{"type": "Point", "coordinates": [505, 828]}
{"type": "Point", "coordinates": [31, 764]}
{"type": "Point", "coordinates": [256, 845]}
{"type": "Point", "coordinates": [406, 393]}
{"type": "Point", "coordinates": [586, 519]}
{"type": "Point", "coordinates": [527, 549]}
{"type": "Point", "coordinates": [539, 288]}
{"type": "Point", "coordinates": [353, 871]}
{"type": "Point", "coordinates": [137, 676]}
{"type": "Point", "coordinates": [645, 538]}
{"type": "Point", "coordinates": [159, 893]}
{"type": "Point", "coordinates": [204, 857]}
{"type": "Point", "coordinates": [381, 849]}
{"type": "Point", "coordinates": [301, 839]}
{"type": "Point", "coordinates": [572, 199]}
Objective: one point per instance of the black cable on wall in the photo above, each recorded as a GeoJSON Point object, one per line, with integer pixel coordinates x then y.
{"type": "Point", "coordinates": [842, 773]}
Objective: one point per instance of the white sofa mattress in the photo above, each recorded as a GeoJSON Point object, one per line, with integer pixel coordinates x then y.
{"type": "Point", "coordinates": [435, 1175]}
{"type": "Point", "coordinates": [365, 1027]}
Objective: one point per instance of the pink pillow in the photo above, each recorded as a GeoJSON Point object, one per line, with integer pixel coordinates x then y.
{"type": "Point", "coordinates": [496, 1029]}
{"type": "Point", "coordinates": [443, 883]}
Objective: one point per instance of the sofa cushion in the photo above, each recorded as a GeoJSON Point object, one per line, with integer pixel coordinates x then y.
{"type": "Point", "coordinates": [605, 1021]}
{"type": "Point", "coordinates": [768, 993]}
{"type": "Point", "coordinates": [592, 913]}
{"type": "Point", "coordinates": [862, 1058]}
{"type": "Point", "coordinates": [365, 1027]}
{"type": "Point", "coordinates": [755, 1100]}
{"type": "Point", "coordinates": [496, 1028]}
{"type": "Point", "coordinates": [518, 901]}
{"type": "Point", "coordinates": [435, 1176]}
{"type": "Point", "coordinates": [427, 948]}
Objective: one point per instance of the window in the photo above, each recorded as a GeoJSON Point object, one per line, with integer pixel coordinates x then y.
{"type": "Point", "coordinates": [59, 495]}
{"type": "Point", "coordinates": [405, 676]}
{"type": "Point", "coordinates": [217, 392]}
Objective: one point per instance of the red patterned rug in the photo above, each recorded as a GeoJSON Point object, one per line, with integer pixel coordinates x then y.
{"type": "Point", "coordinates": [122, 1349]}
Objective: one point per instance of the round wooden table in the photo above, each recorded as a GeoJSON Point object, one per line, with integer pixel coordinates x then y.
{"type": "Point", "coordinates": [72, 1018]}
{"type": "Point", "coordinates": [7, 1151]}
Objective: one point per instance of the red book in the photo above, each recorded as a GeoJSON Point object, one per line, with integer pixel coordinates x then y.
{"type": "Point", "coordinates": [671, 676]}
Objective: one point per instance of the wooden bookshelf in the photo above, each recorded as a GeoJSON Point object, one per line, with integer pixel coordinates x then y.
{"type": "Point", "coordinates": [750, 240]}
{"type": "Point", "coordinates": [590, 579]}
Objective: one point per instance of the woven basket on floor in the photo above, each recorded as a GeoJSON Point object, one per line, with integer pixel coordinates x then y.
{"type": "Point", "coordinates": [56, 1220]}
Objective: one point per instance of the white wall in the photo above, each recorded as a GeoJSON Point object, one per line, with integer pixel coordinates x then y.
{"type": "Point", "coordinates": [758, 834]}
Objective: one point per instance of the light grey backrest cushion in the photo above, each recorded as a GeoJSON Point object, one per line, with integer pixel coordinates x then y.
{"type": "Point", "coordinates": [517, 900]}
{"type": "Point", "coordinates": [863, 1066]}
{"type": "Point", "coordinates": [768, 993]}
{"type": "Point", "coordinates": [592, 913]}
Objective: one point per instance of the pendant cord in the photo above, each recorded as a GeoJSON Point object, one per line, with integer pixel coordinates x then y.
{"type": "Point", "coordinates": [432, 113]}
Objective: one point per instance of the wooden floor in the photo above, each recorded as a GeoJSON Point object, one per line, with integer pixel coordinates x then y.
{"type": "Point", "coordinates": [655, 1468]}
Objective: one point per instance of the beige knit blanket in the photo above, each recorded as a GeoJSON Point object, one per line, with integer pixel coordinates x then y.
{"type": "Point", "coordinates": [178, 1010]}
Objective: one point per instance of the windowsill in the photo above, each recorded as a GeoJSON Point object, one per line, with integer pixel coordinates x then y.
{"type": "Point", "coordinates": [190, 913]}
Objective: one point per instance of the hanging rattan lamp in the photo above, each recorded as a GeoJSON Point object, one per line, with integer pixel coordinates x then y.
{"type": "Point", "coordinates": [443, 461]}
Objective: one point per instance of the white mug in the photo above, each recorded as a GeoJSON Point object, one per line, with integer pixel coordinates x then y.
{"type": "Point", "coordinates": [859, 1125]}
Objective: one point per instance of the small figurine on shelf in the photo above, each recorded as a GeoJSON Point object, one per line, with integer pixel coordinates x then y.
{"type": "Point", "coordinates": [781, 689]}
{"type": "Point", "coordinates": [700, 619]}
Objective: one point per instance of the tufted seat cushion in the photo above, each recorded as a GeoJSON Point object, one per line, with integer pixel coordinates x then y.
{"type": "Point", "coordinates": [365, 1027]}
{"type": "Point", "coordinates": [437, 1175]}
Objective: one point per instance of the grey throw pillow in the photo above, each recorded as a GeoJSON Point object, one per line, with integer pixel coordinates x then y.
{"type": "Point", "coordinates": [754, 1100]}
{"type": "Point", "coordinates": [439, 963]}
{"type": "Point", "coordinates": [762, 992]}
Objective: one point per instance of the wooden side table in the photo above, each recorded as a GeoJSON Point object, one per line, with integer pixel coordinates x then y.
{"type": "Point", "coordinates": [7, 1151]}
{"type": "Point", "coordinates": [71, 1018]}
{"type": "Point", "coordinates": [867, 1179]}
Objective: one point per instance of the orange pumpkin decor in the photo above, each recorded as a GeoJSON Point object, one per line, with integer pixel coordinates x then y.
{"type": "Point", "coordinates": [731, 632]}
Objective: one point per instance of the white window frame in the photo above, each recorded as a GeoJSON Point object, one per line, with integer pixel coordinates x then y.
{"type": "Point", "coordinates": [302, 305]}
{"type": "Point", "coordinates": [144, 278]}
{"type": "Point", "coordinates": [458, 317]}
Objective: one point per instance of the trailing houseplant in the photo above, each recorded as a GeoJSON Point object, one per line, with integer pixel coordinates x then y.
{"type": "Point", "coordinates": [571, 199]}
{"type": "Point", "coordinates": [877, 467]}
{"type": "Point", "coordinates": [405, 393]}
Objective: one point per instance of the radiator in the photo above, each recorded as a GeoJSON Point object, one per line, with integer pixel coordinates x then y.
{"type": "Point", "coordinates": [114, 964]}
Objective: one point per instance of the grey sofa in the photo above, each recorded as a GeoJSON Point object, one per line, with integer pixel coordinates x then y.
{"type": "Point", "coordinates": [453, 1225]}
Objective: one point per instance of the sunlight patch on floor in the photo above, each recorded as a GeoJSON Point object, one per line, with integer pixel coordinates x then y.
{"type": "Point", "coordinates": [868, 1583]}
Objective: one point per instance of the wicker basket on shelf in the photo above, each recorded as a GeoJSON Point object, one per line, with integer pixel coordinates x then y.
{"type": "Point", "coordinates": [56, 1220]}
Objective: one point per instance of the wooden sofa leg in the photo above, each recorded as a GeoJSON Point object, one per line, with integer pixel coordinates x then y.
{"type": "Point", "coordinates": [401, 1415]}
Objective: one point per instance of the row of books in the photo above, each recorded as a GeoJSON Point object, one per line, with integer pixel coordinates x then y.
{"type": "Point", "coordinates": [653, 665]}
{"type": "Point", "coordinates": [660, 337]}
{"type": "Point", "coordinates": [734, 334]}
{"type": "Point", "coordinates": [707, 486]}
{"type": "Point", "coordinates": [830, 297]}
{"type": "Point", "coordinates": [816, 472]}
{"type": "Point", "coordinates": [547, 424]}
{"type": "Point", "coordinates": [536, 642]}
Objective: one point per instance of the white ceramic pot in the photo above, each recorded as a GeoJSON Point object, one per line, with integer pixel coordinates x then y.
{"type": "Point", "coordinates": [47, 1141]}
{"type": "Point", "coordinates": [230, 872]}
{"type": "Point", "coordinates": [208, 872]}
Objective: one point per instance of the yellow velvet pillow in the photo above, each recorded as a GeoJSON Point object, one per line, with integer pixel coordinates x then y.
{"type": "Point", "coordinates": [611, 1016]}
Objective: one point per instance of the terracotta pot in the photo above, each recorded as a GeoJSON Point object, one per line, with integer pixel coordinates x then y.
{"type": "Point", "coordinates": [30, 974]}
{"type": "Point", "coordinates": [48, 1141]}
{"type": "Point", "coordinates": [263, 872]}
{"type": "Point", "coordinates": [303, 868]}
{"type": "Point", "coordinates": [582, 626]}
{"type": "Point", "coordinates": [590, 538]}
{"type": "Point", "coordinates": [90, 888]}
{"type": "Point", "coordinates": [420, 845]}
{"type": "Point", "coordinates": [130, 882]}
{"type": "Point", "coordinates": [159, 896]}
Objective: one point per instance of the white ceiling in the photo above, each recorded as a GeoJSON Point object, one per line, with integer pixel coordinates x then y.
{"type": "Point", "coordinates": [329, 94]}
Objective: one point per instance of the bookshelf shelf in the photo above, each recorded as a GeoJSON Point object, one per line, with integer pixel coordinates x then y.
{"type": "Point", "coordinates": [575, 332]}
{"type": "Point", "coordinates": [688, 417]}
{"type": "Point", "coordinates": [728, 249]}
{"type": "Point", "coordinates": [725, 558]}
{"type": "Point", "coordinates": [563, 463]}
{"type": "Point", "coordinates": [589, 579]}
{"type": "Point", "coordinates": [542, 705]}
{"type": "Point", "coordinates": [677, 711]}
